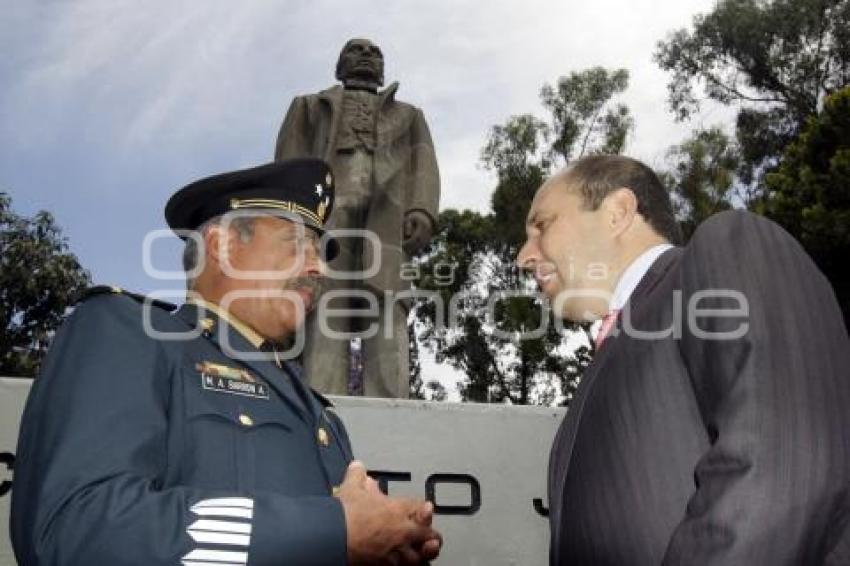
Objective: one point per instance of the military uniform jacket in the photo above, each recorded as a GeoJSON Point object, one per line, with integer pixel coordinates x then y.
{"type": "Point", "coordinates": [143, 443]}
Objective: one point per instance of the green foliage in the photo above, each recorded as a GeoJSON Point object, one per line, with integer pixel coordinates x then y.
{"type": "Point", "coordinates": [515, 147]}
{"type": "Point", "coordinates": [809, 194]}
{"type": "Point", "coordinates": [39, 279]}
{"type": "Point", "coordinates": [434, 391]}
{"type": "Point", "coordinates": [584, 119]}
{"type": "Point", "coordinates": [774, 61]}
{"type": "Point", "coordinates": [702, 176]}
{"type": "Point", "coordinates": [502, 334]}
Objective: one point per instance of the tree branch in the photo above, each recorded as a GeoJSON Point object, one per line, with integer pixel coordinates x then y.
{"type": "Point", "coordinates": [589, 130]}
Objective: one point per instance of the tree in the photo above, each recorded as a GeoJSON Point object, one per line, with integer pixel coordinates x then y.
{"type": "Point", "coordinates": [432, 390]}
{"type": "Point", "coordinates": [809, 194]}
{"type": "Point", "coordinates": [774, 61]}
{"type": "Point", "coordinates": [39, 280]}
{"type": "Point", "coordinates": [503, 336]}
{"type": "Point", "coordinates": [413, 363]}
{"type": "Point", "coordinates": [702, 177]}
{"type": "Point", "coordinates": [584, 119]}
{"type": "Point", "coordinates": [435, 391]}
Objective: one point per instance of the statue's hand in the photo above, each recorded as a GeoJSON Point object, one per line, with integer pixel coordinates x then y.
{"type": "Point", "coordinates": [416, 230]}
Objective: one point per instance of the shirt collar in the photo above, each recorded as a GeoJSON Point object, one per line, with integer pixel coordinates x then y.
{"type": "Point", "coordinates": [634, 273]}
{"type": "Point", "coordinates": [246, 331]}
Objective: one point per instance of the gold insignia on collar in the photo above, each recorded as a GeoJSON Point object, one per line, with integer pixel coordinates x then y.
{"type": "Point", "coordinates": [321, 210]}
{"type": "Point", "coordinates": [207, 324]}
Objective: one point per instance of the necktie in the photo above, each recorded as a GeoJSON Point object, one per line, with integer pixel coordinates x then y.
{"type": "Point", "coordinates": [608, 322]}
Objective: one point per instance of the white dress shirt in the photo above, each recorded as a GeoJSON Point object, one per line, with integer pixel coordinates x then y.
{"type": "Point", "coordinates": [633, 274]}
{"type": "Point", "coordinates": [629, 281]}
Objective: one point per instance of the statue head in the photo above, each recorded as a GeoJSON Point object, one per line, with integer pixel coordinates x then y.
{"type": "Point", "coordinates": [360, 65]}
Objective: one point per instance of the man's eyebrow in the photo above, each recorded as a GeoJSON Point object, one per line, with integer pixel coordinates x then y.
{"type": "Point", "coordinates": [305, 232]}
{"type": "Point", "coordinates": [536, 217]}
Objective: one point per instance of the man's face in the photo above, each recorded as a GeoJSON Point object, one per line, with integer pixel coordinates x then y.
{"type": "Point", "coordinates": [362, 60]}
{"type": "Point", "coordinates": [275, 277]}
{"type": "Point", "coordinates": [568, 251]}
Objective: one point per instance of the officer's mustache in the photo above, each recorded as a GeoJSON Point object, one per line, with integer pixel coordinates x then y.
{"type": "Point", "coordinates": [312, 284]}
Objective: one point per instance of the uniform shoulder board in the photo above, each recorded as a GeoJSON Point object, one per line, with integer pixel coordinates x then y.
{"type": "Point", "coordinates": [111, 290]}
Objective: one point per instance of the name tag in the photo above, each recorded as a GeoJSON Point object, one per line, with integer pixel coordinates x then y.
{"type": "Point", "coordinates": [216, 377]}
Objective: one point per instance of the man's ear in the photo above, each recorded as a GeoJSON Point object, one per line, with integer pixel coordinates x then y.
{"type": "Point", "coordinates": [621, 210]}
{"type": "Point", "coordinates": [217, 245]}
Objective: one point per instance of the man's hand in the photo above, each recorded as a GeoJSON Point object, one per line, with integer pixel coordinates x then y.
{"type": "Point", "coordinates": [417, 230]}
{"type": "Point", "coordinates": [383, 530]}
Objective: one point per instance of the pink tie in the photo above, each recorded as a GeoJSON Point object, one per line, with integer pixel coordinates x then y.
{"type": "Point", "coordinates": [608, 322]}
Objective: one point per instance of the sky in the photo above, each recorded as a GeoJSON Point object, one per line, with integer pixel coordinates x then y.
{"type": "Point", "coordinates": [107, 107]}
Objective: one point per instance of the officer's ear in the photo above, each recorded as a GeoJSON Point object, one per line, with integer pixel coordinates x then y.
{"type": "Point", "coordinates": [218, 244]}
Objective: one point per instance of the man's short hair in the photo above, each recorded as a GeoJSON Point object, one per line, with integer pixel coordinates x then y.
{"type": "Point", "coordinates": [597, 176]}
{"type": "Point", "coordinates": [244, 226]}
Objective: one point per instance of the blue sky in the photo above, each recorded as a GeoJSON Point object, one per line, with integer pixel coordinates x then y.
{"type": "Point", "coordinates": [108, 106]}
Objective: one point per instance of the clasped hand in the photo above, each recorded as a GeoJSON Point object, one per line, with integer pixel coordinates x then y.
{"type": "Point", "coordinates": [384, 530]}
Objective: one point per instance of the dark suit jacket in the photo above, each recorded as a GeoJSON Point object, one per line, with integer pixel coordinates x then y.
{"type": "Point", "coordinates": [691, 450]}
{"type": "Point", "coordinates": [137, 449]}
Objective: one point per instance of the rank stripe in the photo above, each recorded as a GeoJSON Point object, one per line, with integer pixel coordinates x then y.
{"type": "Point", "coordinates": [243, 502]}
{"type": "Point", "coordinates": [217, 556]}
{"type": "Point", "coordinates": [236, 512]}
{"type": "Point", "coordinates": [220, 538]}
{"type": "Point", "coordinates": [221, 526]}
{"type": "Point", "coordinates": [209, 531]}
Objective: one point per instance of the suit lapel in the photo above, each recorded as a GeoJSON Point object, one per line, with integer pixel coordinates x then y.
{"type": "Point", "coordinates": [564, 444]}
{"type": "Point", "coordinates": [236, 347]}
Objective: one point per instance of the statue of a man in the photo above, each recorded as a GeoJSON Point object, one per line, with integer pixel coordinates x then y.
{"type": "Point", "coordinates": [387, 182]}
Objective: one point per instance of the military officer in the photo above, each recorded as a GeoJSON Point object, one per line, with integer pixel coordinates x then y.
{"type": "Point", "coordinates": [160, 436]}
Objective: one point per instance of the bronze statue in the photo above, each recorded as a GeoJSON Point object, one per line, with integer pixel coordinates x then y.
{"type": "Point", "coordinates": [387, 183]}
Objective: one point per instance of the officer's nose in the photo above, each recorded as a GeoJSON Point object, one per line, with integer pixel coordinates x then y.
{"type": "Point", "coordinates": [314, 265]}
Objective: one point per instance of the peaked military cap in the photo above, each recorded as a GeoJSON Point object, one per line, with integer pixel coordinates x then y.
{"type": "Point", "coordinates": [301, 190]}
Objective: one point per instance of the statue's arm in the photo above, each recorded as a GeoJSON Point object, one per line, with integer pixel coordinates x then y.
{"type": "Point", "coordinates": [424, 193]}
{"type": "Point", "coordinates": [293, 140]}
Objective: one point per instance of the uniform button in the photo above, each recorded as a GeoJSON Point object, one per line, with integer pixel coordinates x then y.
{"type": "Point", "coordinates": [246, 420]}
{"type": "Point", "coordinates": [324, 439]}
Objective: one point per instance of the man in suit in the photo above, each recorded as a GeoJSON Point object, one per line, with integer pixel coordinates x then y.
{"type": "Point", "coordinates": [388, 185]}
{"type": "Point", "coordinates": [186, 437]}
{"type": "Point", "coordinates": [712, 425]}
